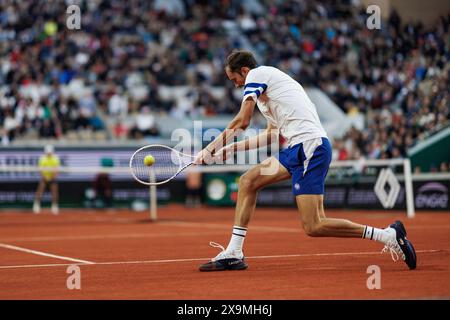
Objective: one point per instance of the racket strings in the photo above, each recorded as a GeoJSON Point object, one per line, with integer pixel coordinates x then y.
{"type": "Point", "coordinates": [167, 163]}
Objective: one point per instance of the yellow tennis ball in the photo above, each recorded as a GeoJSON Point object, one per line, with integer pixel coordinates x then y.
{"type": "Point", "coordinates": [149, 160]}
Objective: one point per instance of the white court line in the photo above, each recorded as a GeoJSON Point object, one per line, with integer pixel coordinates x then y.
{"type": "Point", "coordinates": [333, 254]}
{"type": "Point", "coordinates": [109, 236]}
{"type": "Point", "coordinates": [206, 259]}
{"type": "Point", "coordinates": [40, 253]}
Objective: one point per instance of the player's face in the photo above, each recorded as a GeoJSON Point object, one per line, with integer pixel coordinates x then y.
{"type": "Point", "coordinates": [237, 78]}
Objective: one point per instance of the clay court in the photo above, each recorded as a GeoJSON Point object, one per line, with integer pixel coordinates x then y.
{"type": "Point", "coordinates": [122, 255]}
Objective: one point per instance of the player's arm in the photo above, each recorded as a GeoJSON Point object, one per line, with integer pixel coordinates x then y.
{"type": "Point", "coordinates": [57, 165]}
{"type": "Point", "coordinates": [265, 138]}
{"type": "Point", "coordinates": [239, 123]}
{"type": "Point", "coordinates": [261, 140]}
{"type": "Point", "coordinates": [41, 167]}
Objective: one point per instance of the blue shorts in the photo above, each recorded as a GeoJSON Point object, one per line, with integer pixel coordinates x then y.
{"type": "Point", "coordinates": [308, 164]}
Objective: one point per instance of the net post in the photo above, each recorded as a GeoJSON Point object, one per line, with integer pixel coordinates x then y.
{"type": "Point", "coordinates": [409, 188]}
{"type": "Point", "coordinates": [153, 197]}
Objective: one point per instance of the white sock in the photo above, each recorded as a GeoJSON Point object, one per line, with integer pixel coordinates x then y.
{"type": "Point", "coordinates": [237, 239]}
{"type": "Point", "coordinates": [375, 234]}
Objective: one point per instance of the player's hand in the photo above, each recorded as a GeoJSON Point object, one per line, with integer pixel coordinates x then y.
{"type": "Point", "coordinates": [203, 157]}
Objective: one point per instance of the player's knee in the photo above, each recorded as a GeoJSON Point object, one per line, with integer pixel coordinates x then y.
{"type": "Point", "coordinates": [247, 183]}
{"type": "Point", "coordinates": [312, 229]}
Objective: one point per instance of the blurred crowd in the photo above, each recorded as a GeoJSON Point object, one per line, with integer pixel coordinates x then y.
{"type": "Point", "coordinates": [398, 77]}
{"type": "Point", "coordinates": [55, 82]}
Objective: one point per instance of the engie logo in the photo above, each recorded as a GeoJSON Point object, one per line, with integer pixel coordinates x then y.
{"type": "Point", "coordinates": [432, 195]}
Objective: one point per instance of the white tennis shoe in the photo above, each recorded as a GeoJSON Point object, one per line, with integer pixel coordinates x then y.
{"type": "Point", "coordinates": [226, 254]}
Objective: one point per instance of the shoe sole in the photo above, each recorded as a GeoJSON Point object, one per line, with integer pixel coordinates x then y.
{"type": "Point", "coordinates": [223, 266]}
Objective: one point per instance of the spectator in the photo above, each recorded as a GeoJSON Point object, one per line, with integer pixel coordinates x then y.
{"type": "Point", "coordinates": [120, 130]}
{"type": "Point", "coordinates": [118, 104]}
{"type": "Point", "coordinates": [47, 129]}
{"type": "Point", "coordinates": [145, 124]}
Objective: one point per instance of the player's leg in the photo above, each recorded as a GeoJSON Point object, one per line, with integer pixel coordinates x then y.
{"type": "Point", "coordinates": [55, 197]}
{"type": "Point", "coordinates": [268, 172]}
{"type": "Point", "coordinates": [314, 158]}
{"type": "Point", "coordinates": [316, 224]}
{"type": "Point", "coordinates": [37, 197]}
{"type": "Point", "coordinates": [309, 189]}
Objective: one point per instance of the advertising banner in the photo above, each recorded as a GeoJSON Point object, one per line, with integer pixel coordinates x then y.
{"type": "Point", "coordinates": [17, 189]}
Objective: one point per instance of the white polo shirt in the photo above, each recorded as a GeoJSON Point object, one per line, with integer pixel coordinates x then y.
{"type": "Point", "coordinates": [288, 108]}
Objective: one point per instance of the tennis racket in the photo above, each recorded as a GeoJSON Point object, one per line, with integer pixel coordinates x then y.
{"type": "Point", "coordinates": [168, 164]}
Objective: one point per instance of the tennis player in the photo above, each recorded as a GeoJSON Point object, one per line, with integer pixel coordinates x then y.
{"type": "Point", "coordinates": [50, 160]}
{"type": "Point", "coordinates": [287, 108]}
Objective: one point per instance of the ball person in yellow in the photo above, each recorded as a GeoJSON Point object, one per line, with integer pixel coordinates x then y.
{"type": "Point", "coordinates": [50, 160]}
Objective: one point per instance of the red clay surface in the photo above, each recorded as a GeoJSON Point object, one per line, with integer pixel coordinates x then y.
{"type": "Point", "coordinates": [133, 258]}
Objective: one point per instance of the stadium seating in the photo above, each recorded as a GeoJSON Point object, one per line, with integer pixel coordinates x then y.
{"type": "Point", "coordinates": [95, 83]}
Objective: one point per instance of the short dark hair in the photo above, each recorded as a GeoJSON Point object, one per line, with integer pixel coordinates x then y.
{"type": "Point", "coordinates": [238, 59]}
